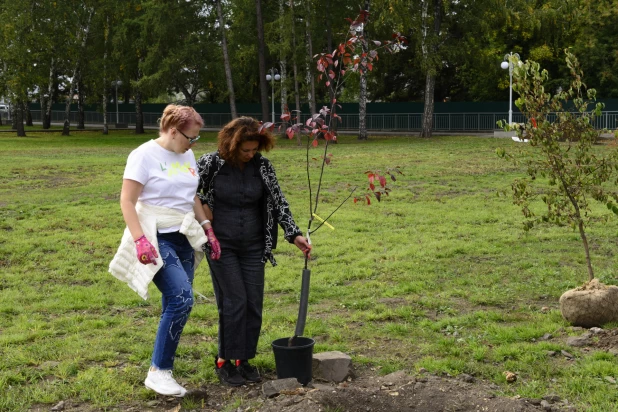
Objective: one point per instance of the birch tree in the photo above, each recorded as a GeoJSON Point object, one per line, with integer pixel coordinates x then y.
{"type": "Point", "coordinates": [226, 60]}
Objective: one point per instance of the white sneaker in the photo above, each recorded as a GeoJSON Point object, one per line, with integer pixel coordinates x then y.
{"type": "Point", "coordinates": [162, 382]}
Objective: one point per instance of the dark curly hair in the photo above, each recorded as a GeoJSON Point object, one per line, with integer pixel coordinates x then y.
{"type": "Point", "coordinates": [238, 131]}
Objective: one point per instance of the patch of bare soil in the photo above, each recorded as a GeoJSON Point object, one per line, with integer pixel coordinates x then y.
{"type": "Point", "coordinates": [399, 392]}
{"type": "Point", "coordinates": [607, 341]}
{"type": "Point", "coordinates": [392, 393]}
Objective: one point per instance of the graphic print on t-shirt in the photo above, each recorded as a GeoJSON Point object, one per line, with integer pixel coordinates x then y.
{"type": "Point", "coordinates": [176, 168]}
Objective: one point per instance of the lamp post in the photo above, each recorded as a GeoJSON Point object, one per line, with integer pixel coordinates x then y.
{"type": "Point", "coordinates": [273, 75]}
{"type": "Point", "coordinates": [115, 84]}
{"type": "Point", "coordinates": [508, 64]}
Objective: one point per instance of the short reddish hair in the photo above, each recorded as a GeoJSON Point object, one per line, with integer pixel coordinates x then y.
{"type": "Point", "coordinates": [238, 131]}
{"type": "Point", "coordinates": [179, 117]}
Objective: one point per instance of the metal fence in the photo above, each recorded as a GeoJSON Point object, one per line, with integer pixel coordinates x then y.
{"type": "Point", "coordinates": [445, 122]}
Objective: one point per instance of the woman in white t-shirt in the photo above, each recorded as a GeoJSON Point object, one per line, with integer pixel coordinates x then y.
{"type": "Point", "coordinates": [159, 183]}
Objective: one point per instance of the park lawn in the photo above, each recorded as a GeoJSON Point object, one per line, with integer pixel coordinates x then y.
{"type": "Point", "coordinates": [438, 275]}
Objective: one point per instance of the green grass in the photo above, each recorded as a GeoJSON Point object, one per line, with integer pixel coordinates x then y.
{"type": "Point", "coordinates": [439, 275]}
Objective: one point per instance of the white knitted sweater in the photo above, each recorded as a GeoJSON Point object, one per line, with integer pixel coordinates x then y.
{"type": "Point", "coordinates": [125, 265]}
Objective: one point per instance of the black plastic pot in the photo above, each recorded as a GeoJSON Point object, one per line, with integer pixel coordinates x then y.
{"type": "Point", "coordinates": [295, 360]}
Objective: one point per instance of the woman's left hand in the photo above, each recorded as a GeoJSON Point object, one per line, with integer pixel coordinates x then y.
{"type": "Point", "coordinates": [303, 245]}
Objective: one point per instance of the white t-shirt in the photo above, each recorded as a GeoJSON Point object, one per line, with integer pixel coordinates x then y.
{"type": "Point", "coordinates": [170, 179]}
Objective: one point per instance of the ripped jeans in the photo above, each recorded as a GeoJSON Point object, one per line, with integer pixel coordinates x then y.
{"type": "Point", "coordinates": [174, 280]}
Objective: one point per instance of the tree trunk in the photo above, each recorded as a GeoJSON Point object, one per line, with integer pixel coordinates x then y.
{"type": "Point", "coordinates": [333, 123]}
{"type": "Point", "coordinates": [262, 61]}
{"type": "Point", "coordinates": [66, 128]}
{"type": "Point", "coordinates": [139, 114]}
{"type": "Point", "coordinates": [362, 100]}
{"type": "Point", "coordinates": [80, 103]}
{"type": "Point", "coordinates": [13, 111]}
{"type": "Point", "coordinates": [46, 119]}
{"type": "Point", "coordinates": [283, 69]}
{"type": "Point", "coordinates": [19, 118]}
{"type": "Point", "coordinates": [226, 62]}
{"type": "Point", "coordinates": [295, 71]}
{"type": "Point", "coordinates": [67, 110]}
{"type": "Point", "coordinates": [430, 83]}
{"type": "Point", "coordinates": [28, 113]}
{"type": "Point", "coordinates": [429, 51]}
{"type": "Point", "coordinates": [104, 102]}
{"type": "Point", "coordinates": [309, 78]}
{"type": "Point", "coordinates": [43, 101]}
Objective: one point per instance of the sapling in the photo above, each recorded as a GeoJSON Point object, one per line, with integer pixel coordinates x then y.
{"type": "Point", "coordinates": [560, 130]}
{"type": "Point", "coordinates": [354, 54]}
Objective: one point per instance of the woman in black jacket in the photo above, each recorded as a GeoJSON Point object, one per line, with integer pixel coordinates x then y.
{"type": "Point", "coordinates": [241, 196]}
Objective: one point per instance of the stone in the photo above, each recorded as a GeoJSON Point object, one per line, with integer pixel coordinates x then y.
{"type": "Point", "coordinates": [545, 405]}
{"type": "Point", "coordinates": [610, 379]}
{"type": "Point", "coordinates": [566, 354]}
{"type": "Point", "coordinates": [332, 366]}
{"type": "Point", "coordinates": [547, 336]}
{"type": "Point", "coordinates": [396, 378]}
{"type": "Point", "coordinates": [273, 388]}
{"type": "Point", "coordinates": [578, 341]}
{"type": "Point", "coordinates": [596, 331]}
{"type": "Point", "coordinates": [59, 406]}
{"type": "Point", "coordinates": [467, 378]}
{"type": "Point", "coordinates": [552, 398]}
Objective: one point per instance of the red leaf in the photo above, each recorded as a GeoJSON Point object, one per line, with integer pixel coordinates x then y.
{"type": "Point", "coordinates": [286, 116]}
{"type": "Point", "coordinates": [314, 143]}
{"type": "Point", "coordinates": [327, 160]}
{"type": "Point", "coordinates": [377, 43]}
{"type": "Point", "coordinates": [382, 181]}
{"type": "Point", "coordinates": [290, 133]}
{"type": "Point", "coordinates": [327, 83]}
{"type": "Point", "coordinates": [533, 122]}
{"type": "Point", "coordinates": [370, 66]}
{"type": "Point", "coordinates": [331, 74]}
{"type": "Point", "coordinates": [372, 186]}
{"type": "Point", "coordinates": [378, 194]}
{"type": "Point", "coordinates": [393, 177]}
{"type": "Point", "coordinates": [355, 200]}
{"type": "Point", "coordinates": [370, 176]}
{"type": "Point", "coordinates": [368, 200]}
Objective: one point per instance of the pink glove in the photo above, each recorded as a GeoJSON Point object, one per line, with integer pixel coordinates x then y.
{"type": "Point", "coordinates": [146, 253]}
{"type": "Point", "coordinates": [215, 247]}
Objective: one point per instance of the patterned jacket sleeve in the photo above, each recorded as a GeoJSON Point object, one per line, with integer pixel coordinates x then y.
{"type": "Point", "coordinates": [205, 171]}
{"type": "Point", "coordinates": [283, 213]}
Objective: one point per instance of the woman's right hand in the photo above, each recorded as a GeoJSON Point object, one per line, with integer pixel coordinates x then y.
{"type": "Point", "coordinates": [215, 247]}
{"type": "Point", "coordinates": [146, 253]}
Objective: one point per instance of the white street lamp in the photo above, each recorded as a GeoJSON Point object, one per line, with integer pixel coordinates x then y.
{"type": "Point", "coordinates": [115, 84]}
{"type": "Point", "coordinates": [508, 64]}
{"type": "Point", "coordinates": [273, 75]}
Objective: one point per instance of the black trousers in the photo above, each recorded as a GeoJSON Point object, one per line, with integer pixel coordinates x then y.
{"type": "Point", "coordinates": [238, 281]}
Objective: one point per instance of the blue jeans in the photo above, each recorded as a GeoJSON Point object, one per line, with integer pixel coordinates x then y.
{"type": "Point", "coordinates": [174, 280]}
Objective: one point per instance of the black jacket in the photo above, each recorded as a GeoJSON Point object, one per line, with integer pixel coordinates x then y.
{"type": "Point", "coordinates": [275, 207]}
